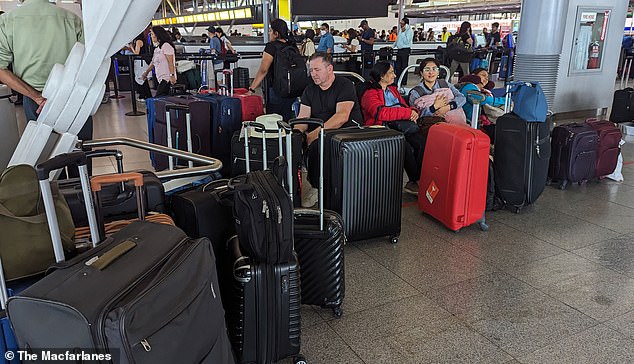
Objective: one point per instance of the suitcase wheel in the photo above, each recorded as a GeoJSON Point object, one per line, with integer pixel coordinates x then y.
{"type": "Point", "coordinates": [299, 360]}
{"type": "Point", "coordinates": [394, 239]}
{"type": "Point", "coordinates": [337, 311]}
{"type": "Point", "coordinates": [484, 226]}
{"type": "Point", "coordinates": [549, 181]}
{"type": "Point", "coordinates": [563, 184]}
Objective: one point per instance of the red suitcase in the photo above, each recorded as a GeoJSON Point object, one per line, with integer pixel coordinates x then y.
{"type": "Point", "coordinates": [453, 182]}
{"type": "Point", "coordinates": [252, 105]}
{"type": "Point", "coordinates": [609, 146]}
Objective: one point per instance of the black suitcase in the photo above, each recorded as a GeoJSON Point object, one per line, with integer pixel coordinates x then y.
{"type": "Point", "coordinates": [319, 242]}
{"type": "Point", "coordinates": [364, 181]}
{"type": "Point", "coordinates": [241, 77]}
{"type": "Point", "coordinates": [574, 154]}
{"type": "Point", "coordinates": [117, 203]}
{"type": "Point", "coordinates": [263, 308]}
{"type": "Point", "coordinates": [141, 296]}
{"type": "Point", "coordinates": [623, 106]}
{"type": "Point", "coordinates": [522, 152]}
{"type": "Point", "coordinates": [257, 150]}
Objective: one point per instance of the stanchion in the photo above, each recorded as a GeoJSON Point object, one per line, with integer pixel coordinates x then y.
{"type": "Point", "coordinates": [116, 80]}
{"type": "Point", "coordinates": [134, 111]}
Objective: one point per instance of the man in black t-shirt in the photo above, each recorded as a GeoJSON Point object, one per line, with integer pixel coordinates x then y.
{"type": "Point", "coordinates": [332, 99]}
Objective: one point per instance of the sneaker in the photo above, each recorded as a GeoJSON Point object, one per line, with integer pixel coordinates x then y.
{"type": "Point", "coordinates": [411, 187]}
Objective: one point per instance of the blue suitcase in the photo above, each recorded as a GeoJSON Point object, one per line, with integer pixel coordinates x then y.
{"type": "Point", "coordinates": [226, 119]}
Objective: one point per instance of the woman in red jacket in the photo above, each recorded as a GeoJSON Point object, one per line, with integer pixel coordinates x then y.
{"type": "Point", "coordinates": [382, 104]}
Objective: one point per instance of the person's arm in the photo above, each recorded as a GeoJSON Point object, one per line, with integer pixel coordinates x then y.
{"type": "Point", "coordinates": [341, 116]}
{"type": "Point", "coordinates": [267, 60]}
{"type": "Point", "coordinates": [459, 99]}
{"type": "Point", "coordinates": [423, 111]}
{"type": "Point", "coordinates": [229, 46]}
{"type": "Point", "coordinates": [304, 112]}
{"type": "Point", "coordinates": [136, 49]}
{"type": "Point", "coordinates": [172, 67]}
{"type": "Point", "coordinates": [330, 44]}
{"type": "Point", "coordinates": [15, 83]}
{"type": "Point", "coordinates": [147, 71]}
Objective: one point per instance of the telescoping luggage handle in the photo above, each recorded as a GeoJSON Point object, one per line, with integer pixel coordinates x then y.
{"type": "Point", "coordinates": [188, 126]}
{"type": "Point", "coordinates": [289, 127]}
{"type": "Point", "coordinates": [96, 183]}
{"type": "Point", "coordinates": [43, 171]}
{"type": "Point", "coordinates": [476, 98]}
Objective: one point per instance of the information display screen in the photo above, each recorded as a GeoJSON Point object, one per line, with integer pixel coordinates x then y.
{"type": "Point", "coordinates": [336, 8]}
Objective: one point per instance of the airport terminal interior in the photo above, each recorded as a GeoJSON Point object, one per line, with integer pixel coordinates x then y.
{"type": "Point", "coordinates": [552, 283]}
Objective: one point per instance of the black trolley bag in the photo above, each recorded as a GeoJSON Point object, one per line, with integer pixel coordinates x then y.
{"type": "Point", "coordinates": [365, 180]}
{"type": "Point", "coordinates": [118, 201]}
{"type": "Point", "coordinates": [263, 304]}
{"type": "Point", "coordinates": [574, 148]}
{"type": "Point", "coordinates": [146, 294]}
{"type": "Point", "coordinates": [522, 153]}
{"type": "Point", "coordinates": [319, 241]}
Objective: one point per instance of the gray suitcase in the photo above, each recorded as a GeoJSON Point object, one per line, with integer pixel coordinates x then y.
{"type": "Point", "coordinates": [147, 294]}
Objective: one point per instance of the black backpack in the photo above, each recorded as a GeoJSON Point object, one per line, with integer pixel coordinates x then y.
{"type": "Point", "coordinates": [458, 50]}
{"type": "Point", "coordinates": [290, 75]}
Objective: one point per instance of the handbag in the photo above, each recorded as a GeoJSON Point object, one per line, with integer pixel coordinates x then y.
{"type": "Point", "coordinates": [530, 101]}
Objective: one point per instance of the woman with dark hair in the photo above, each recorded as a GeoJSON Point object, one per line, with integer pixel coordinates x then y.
{"type": "Point", "coordinates": [307, 48]}
{"type": "Point", "coordinates": [280, 38]}
{"type": "Point", "coordinates": [163, 61]}
{"type": "Point", "coordinates": [353, 42]}
{"type": "Point", "coordinates": [382, 104]}
{"type": "Point", "coordinates": [463, 41]}
{"type": "Point", "coordinates": [139, 47]}
{"type": "Point", "coordinates": [429, 85]}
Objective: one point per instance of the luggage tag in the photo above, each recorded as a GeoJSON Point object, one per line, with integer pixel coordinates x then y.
{"type": "Point", "coordinates": [432, 192]}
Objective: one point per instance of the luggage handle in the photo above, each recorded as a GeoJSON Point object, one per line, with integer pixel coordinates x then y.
{"type": "Point", "coordinates": [4, 293]}
{"type": "Point", "coordinates": [117, 154]}
{"type": "Point", "coordinates": [111, 255]}
{"type": "Point", "coordinates": [96, 184]}
{"type": "Point", "coordinates": [188, 127]}
{"type": "Point", "coordinates": [43, 170]}
{"type": "Point", "coordinates": [262, 129]}
{"type": "Point", "coordinates": [320, 124]}
{"type": "Point", "coordinates": [476, 99]}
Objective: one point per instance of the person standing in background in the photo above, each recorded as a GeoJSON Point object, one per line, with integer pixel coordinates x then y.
{"type": "Point", "coordinates": [139, 47]}
{"type": "Point", "coordinates": [404, 44]}
{"type": "Point", "coordinates": [445, 35]}
{"type": "Point", "coordinates": [393, 35]}
{"type": "Point", "coordinates": [327, 41]}
{"type": "Point", "coordinates": [494, 39]}
{"type": "Point", "coordinates": [487, 36]}
{"type": "Point", "coordinates": [430, 35]}
{"type": "Point", "coordinates": [307, 47]}
{"type": "Point", "coordinates": [367, 37]}
{"type": "Point", "coordinates": [163, 61]}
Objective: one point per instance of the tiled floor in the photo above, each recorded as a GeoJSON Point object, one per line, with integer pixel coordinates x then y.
{"type": "Point", "coordinates": [553, 284]}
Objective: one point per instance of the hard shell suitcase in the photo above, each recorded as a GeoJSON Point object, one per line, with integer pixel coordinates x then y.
{"type": "Point", "coordinates": [137, 296]}
{"type": "Point", "coordinates": [574, 147]}
{"type": "Point", "coordinates": [319, 243]}
{"type": "Point", "coordinates": [364, 180]}
{"type": "Point", "coordinates": [609, 148]}
{"type": "Point", "coordinates": [189, 121]}
{"type": "Point", "coordinates": [453, 182]}
{"type": "Point", "coordinates": [263, 308]}
{"type": "Point", "coordinates": [252, 105]}
{"type": "Point", "coordinates": [521, 153]}
{"type": "Point", "coordinates": [118, 201]}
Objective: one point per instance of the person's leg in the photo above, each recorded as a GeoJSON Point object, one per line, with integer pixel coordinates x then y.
{"type": "Point", "coordinates": [465, 68]}
{"type": "Point", "coordinates": [30, 109]}
{"type": "Point", "coordinates": [417, 142]}
{"type": "Point", "coordinates": [403, 54]}
{"type": "Point", "coordinates": [398, 64]}
{"type": "Point", "coordinates": [452, 69]}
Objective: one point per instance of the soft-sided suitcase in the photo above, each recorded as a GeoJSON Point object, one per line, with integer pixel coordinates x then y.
{"type": "Point", "coordinates": [118, 201]}
{"type": "Point", "coordinates": [623, 106]}
{"type": "Point", "coordinates": [364, 181]}
{"type": "Point", "coordinates": [226, 118]}
{"type": "Point", "coordinates": [319, 242]}
{"type": "Point", "coordinates": [263, 308]}
{"type": "Point", "coordinates": [136, 297]}
{"type": "Point", "coordinates": [609, 146]}
{"type": "Point", "coordinates": [522, 152]}
{"type": "Point", "coordinates": [178, 112]}
{"type": "Point", "coordinates": [574, 154]}
{"type": "Point", "coordinates": [453, 182]}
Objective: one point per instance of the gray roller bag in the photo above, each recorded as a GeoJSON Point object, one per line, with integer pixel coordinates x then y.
{"type": "Point", "coordinates": [147, 294]}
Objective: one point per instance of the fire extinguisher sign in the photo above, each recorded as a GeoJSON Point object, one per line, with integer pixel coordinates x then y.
{"type": "Point", "coordinates": [604, 29]}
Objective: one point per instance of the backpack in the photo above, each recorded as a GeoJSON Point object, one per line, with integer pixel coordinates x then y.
{"type": "Point", "coordinates": [458, 50]}
{"type": "Point", "coordinates": [290, 75]}
{"type": "Point", "coordinates": [361, 88]}
{"type": "Point", "coordinates": [25, 245]}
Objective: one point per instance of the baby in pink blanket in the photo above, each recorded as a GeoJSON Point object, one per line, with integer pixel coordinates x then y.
{"type": "Point", "coordinates": [456, 116]}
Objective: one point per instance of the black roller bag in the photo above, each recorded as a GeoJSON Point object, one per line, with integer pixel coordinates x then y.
{"type": "Point", "coordinates": [319, 242]}
{"type": "Point", "coordinates": [263, 305]}
{"type": "Point", "coordinates": [146, 294]}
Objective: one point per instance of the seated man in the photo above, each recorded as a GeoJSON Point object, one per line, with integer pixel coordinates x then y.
{"type": "Point", "coordinates": [332, 99]}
